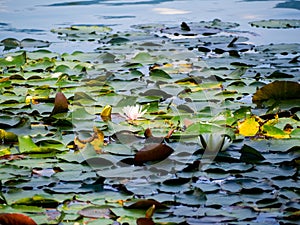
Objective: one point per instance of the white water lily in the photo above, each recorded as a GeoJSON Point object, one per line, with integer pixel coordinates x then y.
{"type": "Point", "coordinates": [214, 142]}
{"type": "Point", "coordinates": [134, 112]}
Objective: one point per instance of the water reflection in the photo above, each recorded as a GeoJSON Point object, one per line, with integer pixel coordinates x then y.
{"type": "Point", "coordinates": [290, 4]}
{"type": "Point", "coordinates": [108, 2]}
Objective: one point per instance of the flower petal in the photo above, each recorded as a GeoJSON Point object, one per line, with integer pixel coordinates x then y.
{"type": "Point", "coordinates": [227, 142]}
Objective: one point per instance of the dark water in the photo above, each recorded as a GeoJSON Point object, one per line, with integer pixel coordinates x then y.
{"type": "Point", "coordinates": [35, 18]}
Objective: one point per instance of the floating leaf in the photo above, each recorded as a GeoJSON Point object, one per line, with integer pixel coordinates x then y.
{"type": "Point", "coordinates": [37, 200]}
{"type": "Point", "coordinates": [106, 113]}
{"type": "Point", "coordinates": [32, 43]}
{"type": "Point", "coordinates": [7, 137]}
{"type": "Point", "coordinates": [82, 32]}
{"type": "Point", "coordinates": [276, 23]}
{"type": "Point", "coordinates": [26, 144]}
{"type": "Point", "coordinates": [60, 104]}
{"type": "Point", "coordinates": [250, 155]}
{"type": "Point", "coordinates": [152, 152]}
{"type": "Point", "coordinates": [97, 212]}
{"type": "Point", "coordinates": [159, 73]}
{"type": "Point", "coordinates": [248, 127]}
{"type": "Point", "coordinates": [10, 43]}
{"type": "Point", "coordinates": [149, 213]}
{"type": "Point", "coordinates": [144, 221]}
{"type": "Point", "coordinates": [118, 40]}
{"type": "Point", "coordinates": [96, 140]}
{"type": "Point", "coordinates": [13, 60]}
{"type": "Point", "coordinates": [274, 132]}
{"type": "Point", "coordinates": [156, 92]}
{"type": "Point", "coordinates": [142, 57]}
{"type": "Point", "coordinates": [278, 90]}
{"type": "Point", "coordinates": [15, 219]}
{"type": "Point", "coordinates": [185, 27]}
{"type": "Point", "coordinates": [144, 204]}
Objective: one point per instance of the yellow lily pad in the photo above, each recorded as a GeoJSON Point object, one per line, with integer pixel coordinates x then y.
{"type": "Point", "coordinates": [248, 127]}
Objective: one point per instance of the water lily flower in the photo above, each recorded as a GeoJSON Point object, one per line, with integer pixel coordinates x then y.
{"type": "Point", "coordinates": [214, 142]}
{"type": "Point", "coordinates": [133, 112]}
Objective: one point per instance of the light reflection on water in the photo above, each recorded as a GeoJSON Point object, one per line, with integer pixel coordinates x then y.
{"type": "Point", "coordinates": [35, 18]}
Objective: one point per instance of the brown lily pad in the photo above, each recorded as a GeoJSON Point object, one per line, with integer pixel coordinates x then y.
{"type": "Point", "coordinates": [60, 104]}
{"type": "Point", "coordinates": [16, 219]}
{"type": "Point", "coordinates": [152, 152]}
{"type": "Point", "coordinates": [278, 90]}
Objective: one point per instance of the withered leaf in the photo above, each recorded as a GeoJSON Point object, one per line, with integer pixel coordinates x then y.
{"type": "Point", "coordinates": [144, 221]}
{"type": "Point", "coordinates": [278, 90]}
{"type": "Point", "coordinates": [60, 104]}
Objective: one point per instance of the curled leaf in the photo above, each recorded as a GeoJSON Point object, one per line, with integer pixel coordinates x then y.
{"type": "Point", "coordinates": [149, 213]}
{"type": "Point", "coordinates": [278, 90]}
{"type": "Point", "coordinates": [250, 155]}
{"type": "Point", "coordinates": [106, 112]}
{"type": "Point", "coordinates": [7, 137]}
{"type": "Point", "coordinates": [159, 73]}
{"type": "Point", "coordinates": [152, 152]}
{"type": "Point", "coordinates": [185, 27]}
{"type": "Point", "coordinates": [60, 104]}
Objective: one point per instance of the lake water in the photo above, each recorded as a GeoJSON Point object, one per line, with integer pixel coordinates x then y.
{"type": "Point", "coordinates": [35, 18]}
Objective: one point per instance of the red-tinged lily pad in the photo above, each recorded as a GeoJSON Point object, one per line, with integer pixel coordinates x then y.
{"type": "Point", "coordinates": [278, 90]}
{"type": "Point", "coordinates": [152, 152]}
{"type": "Point", "coordinates": [60, 104]}
{"type": "Point", "coordinates": [144, 204]}
{"type": "Point", "coordinates": [144, 221]}
{"type": "Point", "coordinates": [15, 219]}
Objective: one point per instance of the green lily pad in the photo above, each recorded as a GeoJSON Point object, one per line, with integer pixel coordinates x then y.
{"type": "Point", "coordinates": [276, 23]}
{"type": "Point", "coordinates": [13, 60]}
{"type": "Point", "coordinates": [82, 32]}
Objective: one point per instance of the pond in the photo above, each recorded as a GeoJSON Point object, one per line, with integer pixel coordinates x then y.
{"type": "Point", "coordinates": [140, 112]}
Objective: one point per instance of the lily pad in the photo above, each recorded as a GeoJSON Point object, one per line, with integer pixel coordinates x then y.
{"type": "Point", "coordinates": [82, 32]}
{"type": "Point", "coordinates": [155, 152]}
{"type": "Point", "coordinates": [278, 90]}
{"type": "Point", "coordinates": [277, 23]}
{"type": "Point", "coordinates": [97, 212]}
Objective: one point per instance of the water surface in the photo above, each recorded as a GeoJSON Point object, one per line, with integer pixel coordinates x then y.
{"type": "Point", "coordinates": [34, 18]}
